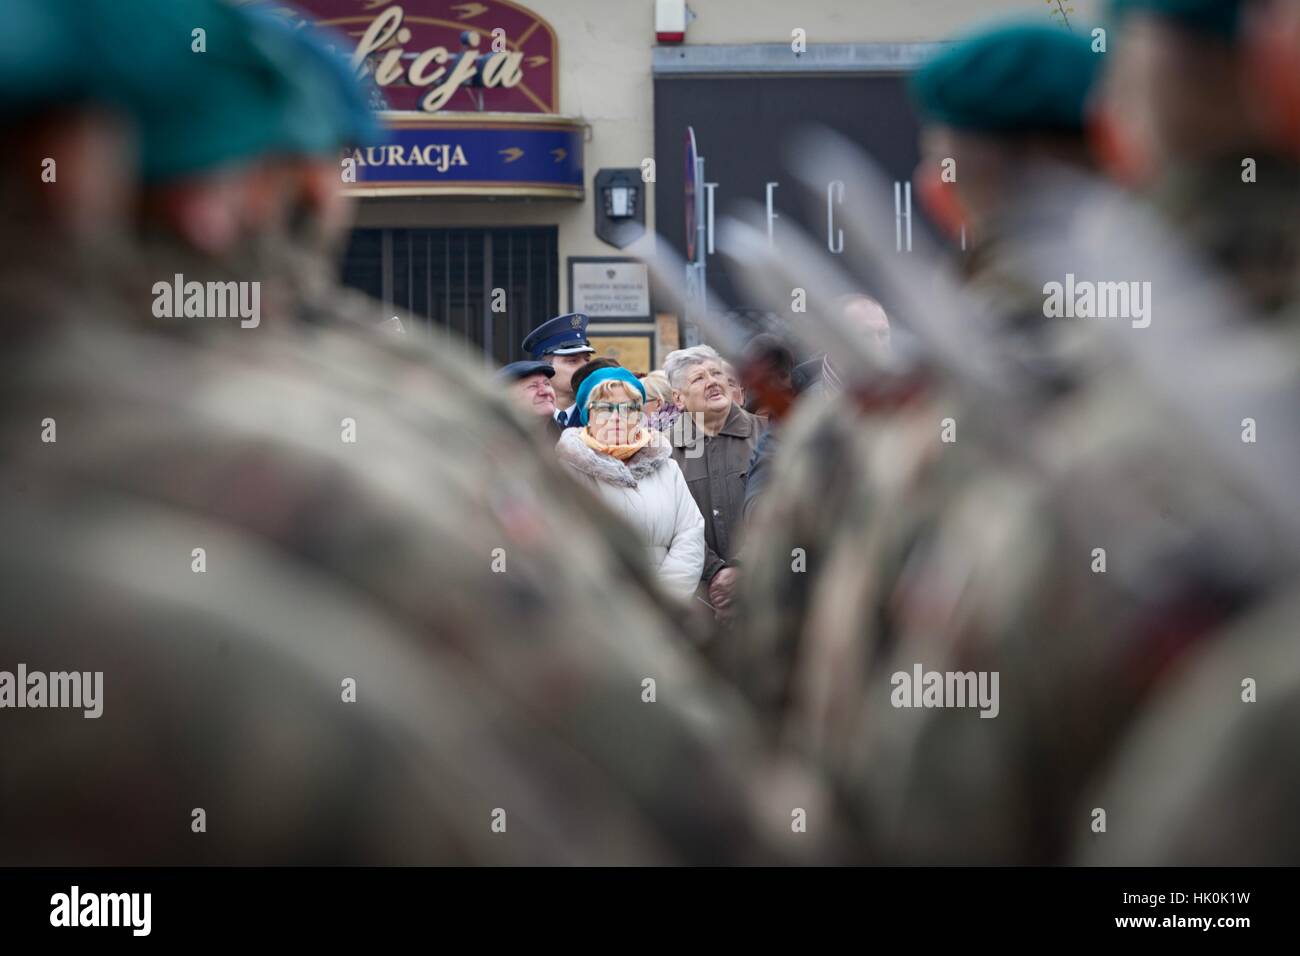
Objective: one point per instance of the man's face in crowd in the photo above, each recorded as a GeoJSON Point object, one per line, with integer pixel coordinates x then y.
{"type": "Point", "coordinates": [705, 388]}
{"type": "Point", "coordinates": [534, 395]}
{"type": "Point", "coordinates": [870, 318]}
{"type": "Point", "coordinates": [565, 366]}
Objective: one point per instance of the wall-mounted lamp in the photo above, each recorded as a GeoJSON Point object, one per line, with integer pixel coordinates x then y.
{"type": "Point", "coordinates": [620, 209]}
{"type": "Point", "coordinates": [620, 201]}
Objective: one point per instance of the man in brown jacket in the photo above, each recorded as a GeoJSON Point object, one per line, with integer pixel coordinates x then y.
{"type": "Point", "coordinates": [713, 443]}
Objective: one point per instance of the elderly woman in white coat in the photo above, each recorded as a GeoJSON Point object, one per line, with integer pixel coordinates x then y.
{"type": "Point", "coordinates": [630, 466]}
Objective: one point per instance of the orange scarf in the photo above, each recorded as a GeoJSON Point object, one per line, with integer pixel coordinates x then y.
{"type": "Point", "coordinates": [621, 452]}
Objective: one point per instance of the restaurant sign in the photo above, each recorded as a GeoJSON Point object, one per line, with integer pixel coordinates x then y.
{"type": "Point", "coordinates": [430, 56]}
{"type": "Point", "coordinates": [471, 155]}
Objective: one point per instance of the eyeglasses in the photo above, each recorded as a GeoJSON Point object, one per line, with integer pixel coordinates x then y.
{"type": "Point", "coordinates": [615, 408]}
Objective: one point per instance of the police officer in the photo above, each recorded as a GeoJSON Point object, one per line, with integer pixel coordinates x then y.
{"type": "Point", "coordinates": [562, 343]}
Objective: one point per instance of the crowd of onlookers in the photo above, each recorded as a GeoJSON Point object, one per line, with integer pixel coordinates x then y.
{"type": "Point", "coordinates": [680, 452]}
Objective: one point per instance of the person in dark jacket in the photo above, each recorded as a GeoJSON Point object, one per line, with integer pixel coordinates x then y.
{"type": "Point", "coordinates": [713, 442]}
{"type": "Point", "coordinates": [760, 470]}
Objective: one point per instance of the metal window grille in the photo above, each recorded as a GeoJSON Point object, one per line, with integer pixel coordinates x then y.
{"type": "Point", "coordinates": [446, 277]}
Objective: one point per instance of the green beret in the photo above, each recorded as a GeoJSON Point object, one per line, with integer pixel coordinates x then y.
{"type": "Point", "coordinates": [1009, 79]}
{"type": "Point", "coordinates": [226, 105]}
{"type": "Point", "coordinates": [199, 101]}
{"type": "Point", "coordinates": [37, 68]}
{"type": "Point", "coordinates": [1219, 18]}
{"type": "Point", "coordinates": [334, 104]}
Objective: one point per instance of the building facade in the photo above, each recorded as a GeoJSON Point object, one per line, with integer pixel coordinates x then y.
{"type": "Point", "coordinates": [534, 148]}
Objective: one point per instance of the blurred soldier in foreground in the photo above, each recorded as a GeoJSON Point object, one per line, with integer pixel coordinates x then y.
{"type": "Point", "coordinates": [303, 247]}
{"type": "Point", "coordinates": [1209, 775]}
{"type": "Point", "coordinates": [318, 577]}
{"type": "Point", "coordinates": [1133, 532]}
{"type": "Point", "coordinates": [1195, 143]}
{"type": "Point", "coordinates": [859, 476]}
{"type": "Point", "coordinates": [992, 590]}
{"type": "Point", "coordinates": [1274, 49]}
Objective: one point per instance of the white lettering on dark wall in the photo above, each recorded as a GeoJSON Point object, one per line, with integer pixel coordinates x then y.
{"type": "Point", "coordinates": [835, 194]}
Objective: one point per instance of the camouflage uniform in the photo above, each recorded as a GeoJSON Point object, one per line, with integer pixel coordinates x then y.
{"type": "Point", "coordinates": [498, 653]}
{"type": "Point", "coordinates": [1008, 583]}
{"type": "Point", "coordinates": [1209, 777]}
{"type": "Point", "coordinates": [981, 559]}
{"type": "Point", "coordinates": [235, 446]}
{"type": "Point", "coordinates": [860, 481]}
{"type": "Point", "coordinates": [809, 530]}
{"type": "Point", "coordinates": [1246, 230]}
{"type": "Point", "coordinates": [951, 557]}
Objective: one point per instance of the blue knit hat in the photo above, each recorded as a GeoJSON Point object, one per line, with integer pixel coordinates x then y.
{"type": "Point", "coordinates": [605, 375]}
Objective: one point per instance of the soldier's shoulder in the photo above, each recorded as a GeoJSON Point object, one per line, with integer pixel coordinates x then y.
{"type": "Point", "coordinates": [1209, 774]}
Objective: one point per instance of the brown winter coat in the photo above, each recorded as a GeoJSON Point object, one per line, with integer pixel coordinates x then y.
{"type": "Point", "coordinates": [716, 478]}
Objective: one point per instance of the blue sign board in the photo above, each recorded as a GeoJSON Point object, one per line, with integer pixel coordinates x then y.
{"type": "Point", "coordinates": [474, 154]}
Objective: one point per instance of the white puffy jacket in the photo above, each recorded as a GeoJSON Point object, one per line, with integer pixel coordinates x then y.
{"type": "Point", "coordinates": [650, 494]}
